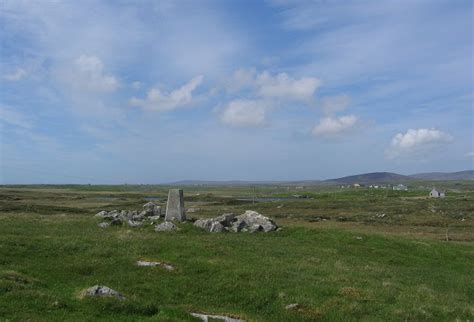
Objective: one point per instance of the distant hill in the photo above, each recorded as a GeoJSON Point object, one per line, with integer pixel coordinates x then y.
{"type": "Point", "coordinates": [374, 177]}
{"type": "Point", "coordinates": [445, 176]}
{"type": "Point", "coordinates": [365, 178]}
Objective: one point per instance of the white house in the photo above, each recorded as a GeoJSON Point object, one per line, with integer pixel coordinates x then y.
{"type": "Point", "coordinates": [437, 194]}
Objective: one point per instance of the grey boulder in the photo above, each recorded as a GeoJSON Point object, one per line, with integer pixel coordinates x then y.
{"type": "Point", "coordinates": [166, 226]}
{"type": "Point", "coordinates": [257, 222]}
{"type": "Point", "coordinates": [102, 291]}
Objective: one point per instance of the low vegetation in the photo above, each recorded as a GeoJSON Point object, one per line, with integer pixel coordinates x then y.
{"type": "Point", "coordinates": [354, 254]}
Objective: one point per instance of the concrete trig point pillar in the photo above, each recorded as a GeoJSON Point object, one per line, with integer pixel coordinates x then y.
{"type": "Point", "coordinates": [175, 206]}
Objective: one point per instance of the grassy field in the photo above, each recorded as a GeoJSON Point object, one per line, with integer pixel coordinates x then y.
{"type": "Point", "coordinates": [353, 254]}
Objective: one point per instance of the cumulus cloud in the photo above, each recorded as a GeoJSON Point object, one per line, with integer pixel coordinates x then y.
{"type": "Point", "coordinates": [333, 104]}
{"type": "Point", "coordinates": [241, 78]}
{"type": "Point", "coordinates": [17, 75]}
{"type": "Point", "coordinates": [244, 113]}
{"type": "Point", "coordinates": [260, 90]}
{"type": "Point", "coordinates": [87, 73]}
{"type": "Point", "coordinates": [285, 87]}
{"type": "Point", "coordinates": [157, 100]}
{"type": "Point", "coordinates": [273, 86]}
{"type": "Point", "coordinates": [417, 140]}
{"type": "Point", "coordinates": [333, 127]}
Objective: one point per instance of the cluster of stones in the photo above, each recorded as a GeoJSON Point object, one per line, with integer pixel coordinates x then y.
{"type": "Point", "coordinates": [250, 221]}
{"type": "Point", "coordinates": [151, 212]}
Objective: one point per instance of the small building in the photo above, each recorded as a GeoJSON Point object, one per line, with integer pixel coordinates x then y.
{"type": "Point", "coordinates": [356, 185]}
{"type": "Point", "coordinates": [400, 187]}
{"type": "Point", "coordinates": [437, 194]}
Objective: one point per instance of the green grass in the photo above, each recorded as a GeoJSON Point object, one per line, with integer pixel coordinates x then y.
{"type": "Point", "coordinates": [53, 249]}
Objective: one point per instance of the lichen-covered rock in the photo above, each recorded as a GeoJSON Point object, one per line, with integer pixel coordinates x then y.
{"type": "Point", "coordinates": [238, 226]}
{"type": "Point", "coordinates": [151, 209]}
{"type": "Point", "coordinates": [101, 291]}
{"type": "Point", "coordinates": [166, 226]}
{"type": "Point", "coordinates": [225, 219]}
{"type": "Point", "coordinates": [257, 222]}
{"type": "Point", "coordinates": [249, 221]}
{"type": "Point", "coordinates": [203, 223]}
{"type": "Point", "coordinates": [216, 227]}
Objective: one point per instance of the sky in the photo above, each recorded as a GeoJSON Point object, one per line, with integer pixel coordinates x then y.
{"type": "Point", "coordinates": [159, 91]}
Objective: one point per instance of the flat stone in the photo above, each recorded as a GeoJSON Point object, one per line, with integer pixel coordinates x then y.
{"type": "Point", "coordinates": [104, 224]}
{"type": "Point", "coordinates": [101, 291]}
{"type": "Point", "coordinates": [206, 317]}
{"type": "Point", "coordinates": [175, 206]}
{"type": "Point", "coordinates": [133, 223]}
{"type": "Point", "coordinates": [164, 265]}
{"type": "Point", "coordinates": [166, 226]}
{"type": "Point", "coordinates": [292, 306]}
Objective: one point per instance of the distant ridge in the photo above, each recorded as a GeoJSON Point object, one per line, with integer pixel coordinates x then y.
{"type": "Point", "coordinates": [461, 175]}
{"type": "Point", "coordinates": [374, 177]}
{"type": "Point", "coordinates": [364, 178]}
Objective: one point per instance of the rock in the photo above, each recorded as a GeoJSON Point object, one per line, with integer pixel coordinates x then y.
{"type": "Point", "coordinates": [210, 317]}
{"type": "Point", "coordinates": [166, 226]}
{"type": "Point", "coordinates": [225, 219]}
{"type": "Point", "coordinates": [102, 291]}
{"type": "Point", "coordinates": [175, 206]}
{"type": "Point", "coordinates": [153, 218]}
{"type": "Point", "coordinates": [116, 222]}
{"type": "Point", "coordinates": [151, 209]}
{"type": "Point", "coordinates": [238, 225]}
{"type": "Point", "coordinates": [292, 306]}
{"type": "Point", "coordinates": [216, 227]}
{"type": "Point", "coordinates": [192, 210]}
{"type": "Point", "coordinates": [102, 214]}
{"type": "Point", "coordinates": [138, 217]}
{"type": "Point", "coordinates": [210, 225]}
{"type": "Point", "coordinates": [133, 223]}
{"type": "Point", "coordinates": [164, 265]}
{"type": "Point", "coordinates": [253, 219]}
{"type": "Point", "coordinates": [104, 224]}
{"type": "Point", "coordinates": [203, 223]}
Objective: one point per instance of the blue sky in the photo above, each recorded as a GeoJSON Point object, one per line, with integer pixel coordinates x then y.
{"type": "Point", "coordinates": [158, 91]}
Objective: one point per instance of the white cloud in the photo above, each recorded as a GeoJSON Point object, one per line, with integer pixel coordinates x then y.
{"type": "Point", "coordinates": [158, 100]}
{"type": "Point", "coordinates": [273, 86]}
{"type": "Point", "coordinates": [8, 115]}
{"type": "Point", "coordinates": [333, 104]}
{"type": "Point", "coordinates": [136, 85]}
{"type": "Point", "coordinates": [244, 113]}
{"type": "Point", "coordinates": [417, 141]}
{"type": "Point", "coordinates": [16, 75]}
{"type": "Point", "coordinates": [241, 78]}
{"type": "Point", "coordinates": [91, 75]}
{"type": "Point", "coordinates": [470, 154]}
{"type": "Point", "coordinates": [285, 87]}
{"type": "Point", "coordinates": [333, 127]}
